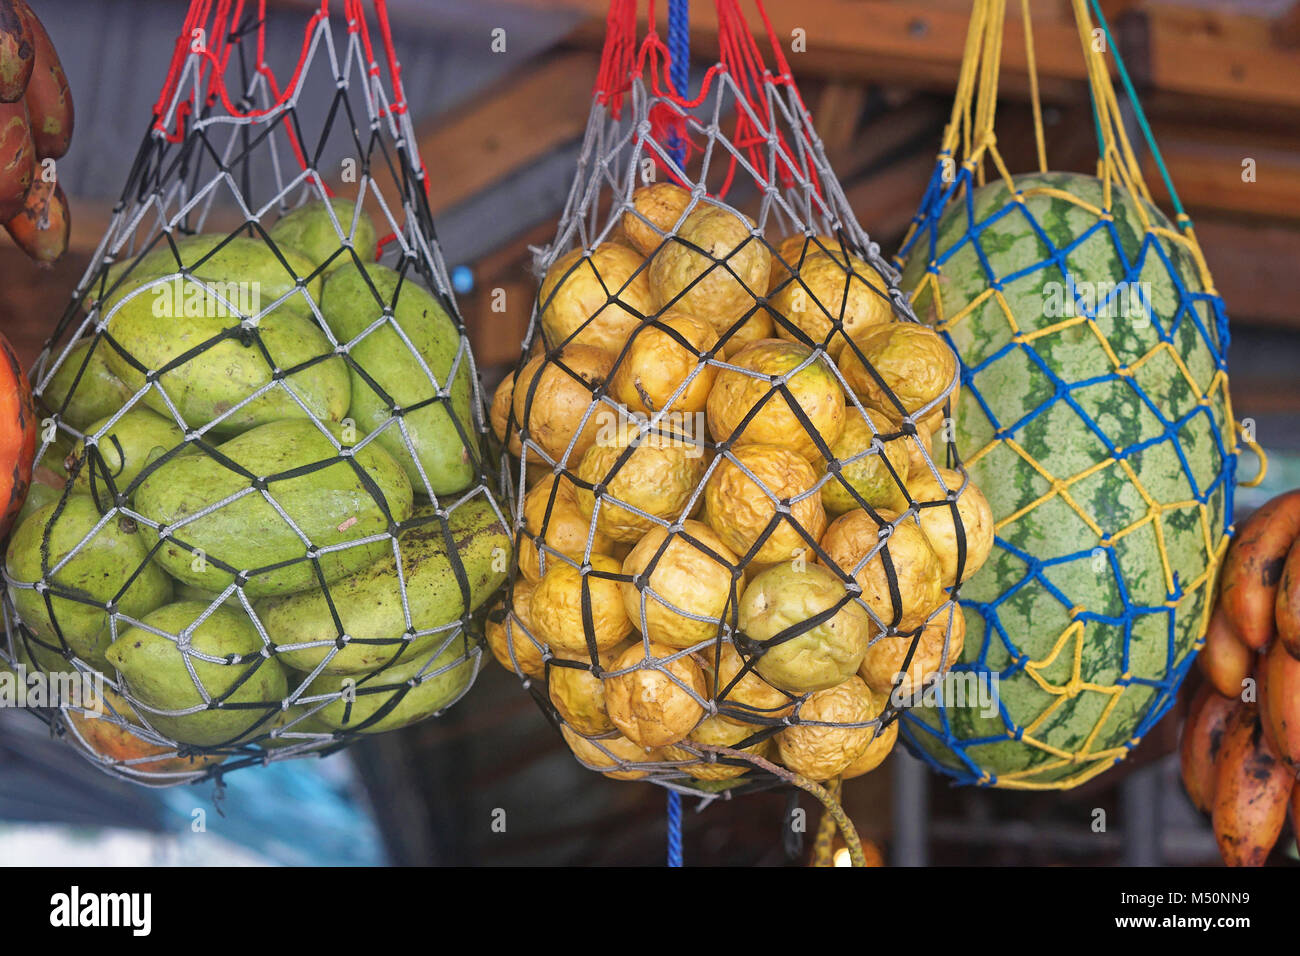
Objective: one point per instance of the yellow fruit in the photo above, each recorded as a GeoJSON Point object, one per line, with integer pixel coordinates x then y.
{"type": "Point", "coordinates": [655, 211]}
{"type": "Point", "coordinates": [552, 409]}
{"type": "Point", "coordinates": [747, 697]}
{"type": "Point", "coordinates": [855, 534]}
{"type": "Point", "coordinates": [657, 363]}
{"type": "Point", "coordinates": [741, 511]}
{"type": "Point", "coordinates": [715, 269]}
{"type": "Point", "coordinates": [579, 695]}
{"type": "Point", "coordinates": [596, 299]}
{"type": "Point", "coordinates": [826, 297]}
{"type": "Point", "coordinates": [916, 461]}
{"type": "Point", "coordinates": [791, 252]}
{"type": "Point", "coordinates": [883, 662]}
{"type": "Point", "coordinates": [781, 601]}
{"type": "Point", "coordinates": [499, 414]}
{"type": "Point", "coordinates": [813, 389]}
{"type": "Point", "coordinates": [878, 749]}
{"type": "Point", "coordinates": [655, 473]}
{"type": "Point", "coordinates": [612, 751]}
{"type": "Point", "coordinates": [657, 702]}
{"type": "Point", "coordinates": [556, 607]}
{"type": "Point", "coordinates": [685, 577]}
{"type": "Point", "coordinates": [871, 467]}
{"type": "Point", "coordinates": [913, 360]}
{"type": "Point", "coordinates": [704, 765]}
{"type": "Point", "coordinates": [820, 752]}
{"type": "Point", "coordinates": [508, 639]}
{"type": "Point", "coordinates": [567, 528]}
{"type": "Point", "coordinates": [940, 528]}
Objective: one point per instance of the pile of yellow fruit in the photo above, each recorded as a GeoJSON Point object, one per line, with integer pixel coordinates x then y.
{"type": "Point", "coordinates": [730, 532]}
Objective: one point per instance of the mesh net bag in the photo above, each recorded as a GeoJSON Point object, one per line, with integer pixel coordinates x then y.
{"type": "Point", "coordinates": [267, 523]}
{"type": "Point", "coordinates": [735, 546]}
{"type": "Point", "coordinates": [1094, 413]}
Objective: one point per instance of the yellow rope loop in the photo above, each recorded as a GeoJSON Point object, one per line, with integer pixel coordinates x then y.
{"type": "Point", "coordinates": [1243, 436]}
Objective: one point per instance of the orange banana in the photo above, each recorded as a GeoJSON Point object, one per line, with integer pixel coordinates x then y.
{"type": "Point", "coordinates": [1224, 660]}
{"type": "Point", "coordinates": [1202, 739]}
{"type": "Point", "coordinates": [1251, 791]}
{"type": "Point", "coordinates": [1287, 608]}
{"type": "Point", "coordinates": [1253, 568]}
{"type": "Point", "coordinates": [1280, 703]}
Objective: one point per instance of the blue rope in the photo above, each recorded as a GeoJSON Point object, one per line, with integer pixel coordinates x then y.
{"type": "Point", "coordinates": [674, 828]}
{"type": "Point", "coordinates": [679, 48]}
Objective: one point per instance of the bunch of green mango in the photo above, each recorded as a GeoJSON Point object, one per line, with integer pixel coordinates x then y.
{"type": "Point", "coordinates": [252, 534]}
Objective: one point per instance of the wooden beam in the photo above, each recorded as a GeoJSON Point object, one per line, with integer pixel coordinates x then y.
{"type": "Point", "coordinates": [1254, 267]}
{"type": "Point", "coordinates": [1208, 166]}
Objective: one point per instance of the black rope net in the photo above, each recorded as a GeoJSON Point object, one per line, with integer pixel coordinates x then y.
{"type": "Point", "coordinates": [267, 521]}
{"type": "Point", "coordinates": [737, 549]}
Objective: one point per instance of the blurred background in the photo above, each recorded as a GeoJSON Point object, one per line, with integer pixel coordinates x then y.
{"type": "Point", "coordinates": [499, 131]}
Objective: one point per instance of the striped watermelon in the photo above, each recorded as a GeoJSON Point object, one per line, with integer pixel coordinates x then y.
{"type": "Point", "coordinates": [1087, 625]}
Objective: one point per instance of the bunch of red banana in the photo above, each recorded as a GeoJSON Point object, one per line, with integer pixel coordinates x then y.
{"type": "Point", "coordinates": [35, 128]}
{"type": "Point", "coordinates": [1241, 743]}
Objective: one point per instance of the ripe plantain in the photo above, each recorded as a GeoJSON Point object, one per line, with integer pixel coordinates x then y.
{"type": "Point", "coordinates": [1225, 661]}
{"type": "Point", "coordinates": [1202, 739]}
{"type": "Point", "coordinates": [1252, 786]}
{"type": "Point", "coordinates": [1287, 608]}
{"type": "Point", "coordinates": [1280, 702]}
{"type": "Point", "coordinates": [1253, 568]}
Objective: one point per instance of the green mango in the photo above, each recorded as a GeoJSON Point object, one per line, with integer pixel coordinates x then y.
{"type": "Point", "coordinates": [100, 569]}
{"type": "Point", "coordinates": [310, 231]}
{"type": "Point", "coordinates": [137, 439]}
{"type": "Point", "coordinates": [369, 602]}
{"type": "Point", "coordinates": [157, 674]}
{"type": "Point", "coordinates": [349, 306]}
{"type": "Point", "coordinates": [372, 692]}
{"type": "Point", "coordinates": [94, 395]}
{"type": "Point", "coordinates": [227, 372]}
{"type": "Point", "coordinates": [329, 503]}
{"type": "Point", "coordinates": [39, 495]}
{"type": "Point", "coordinates": [241, 259]}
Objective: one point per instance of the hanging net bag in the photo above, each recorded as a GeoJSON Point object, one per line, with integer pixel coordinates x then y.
{"type": "Point", "coordinates": [735, 550]}
{"type": "Point", "coordinates": [266, 522]}
{"type": "Point", "coordinates": [1095, 415]}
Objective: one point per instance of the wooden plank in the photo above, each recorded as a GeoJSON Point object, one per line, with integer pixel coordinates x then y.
{"type": "Point", "coordinates": [1207, 168]}
{"type": "Point", "coordinates": [1254, 267]}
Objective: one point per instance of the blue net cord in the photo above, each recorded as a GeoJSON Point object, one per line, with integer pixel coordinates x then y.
{"type": "Point", "coordinates": [674, 828]}
{"type": "Point", "coordinates": [679, 48]}
{"type": "Point", "coordinates": [939, 194]}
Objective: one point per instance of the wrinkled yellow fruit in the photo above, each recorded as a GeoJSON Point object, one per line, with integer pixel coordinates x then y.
{"type": "Point", "coordinates": [792, 250]}
{"type": "Point", "coordinates": [557, 607]}
{"type": "Point", "coordinates": [648, 705]}
{"type": "Point", "coordinates": [826, 297]}
{"type": "Point", "coordinates": [915, 363]}
{"type": "Point", "coordinates": [552, 410]}
{"type": "Point", "coordinates": [883, 663]}
{"type": "Point", "coordinates": [714, 269]}
{"type": "Point", "coordinates": [819, 752]}
{"type": "Point", "coordinates": [686, 580]}
{"type": "Point", "coordinates": [657, 363]}
{"type": "Point", "coordinates": [878, 749]}
{"type": "Point", "coordinates": [748, 697]}
{"type": "Point", "coordinates": [656, 209]}
{"type": "Point", "coordinates": [865, 465]}
{"type": "Point", "coordinates": [579, 695]}
{"type": "Point", "coordinates": [783, 599]}
{"type": "Point", "coordinates": [938, 524]}
{"type": "Point", "coordinates": [499, 414]}
{"type": "Point", "coordinates": [657, 476]}
{"type": "Point", "coordinates": [813, 389]}
{"type": "Point", "coordinates": [716, 732]}
{"type": "Point", "coordinates": [741, 511]}
{"type": "Point", "coordinates": [566, 527]}
{"type": "Point", "coordinates": [854, 534]}
{"type": "Point", "coordinates": [508, 638]}
{"type": "Point", "coordinates": [596, 299]}
{"type": "Point", "coordinates": [612, 751]}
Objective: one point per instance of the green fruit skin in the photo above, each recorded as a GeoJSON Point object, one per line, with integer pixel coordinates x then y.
{"type": "Point", "coordinates": [350, 307]}
{"type": "Point", "coordinates": [38, 496]}
{"type": "Point", "coordinates": [249, 533]}
{"type": "Point", "coordinates": [142, 436]}
{"type": "Point", "coordinates": [369, 602]}
{"type": "Point", "coordinates": [782, 597]}
{"type": "Point", "coordinates": [156, 675]}
{"type": "Point", "coordinates": [241, 259]}
{"type": "Point", "coordinates": [227, 372]}
{"type": "Point", "coordinates": [869, 476]}
{"type": "Point", "coordinates": [1033, 617]}
{"type": "Point", "coordinates": [100, 569]}
{"type": "Point", "coordinates": [423, 700]}
{"type": "Point", "coordinates": [309, 231]}
{"type": "Point", "coordinates": [97, 394]}
{"type": "Point", "coordinates": [187, 592]}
